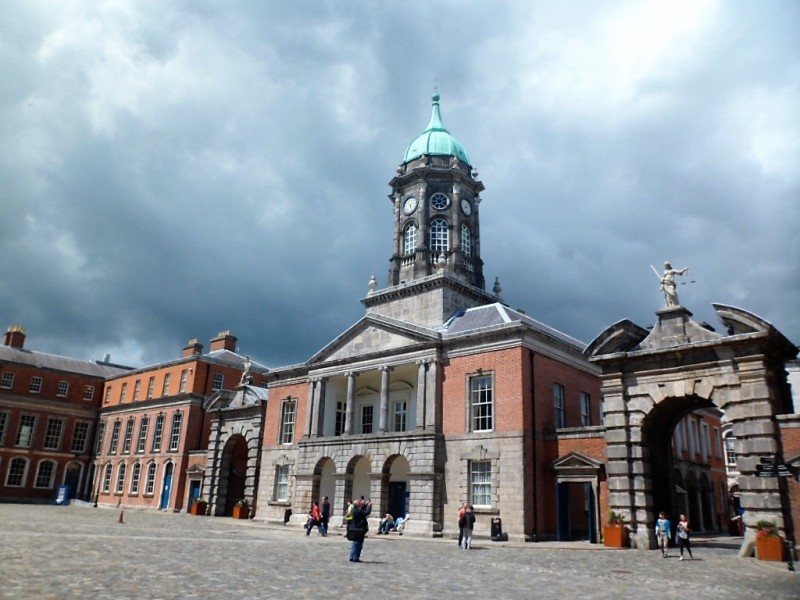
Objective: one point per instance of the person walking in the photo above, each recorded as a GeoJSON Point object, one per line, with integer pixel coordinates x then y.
{"type": "Point", "coordinates": [663, 533]}
{"type": "Point", "coordinates": [315, 518]}
{"type": "Point", "coordinates": [683, 537]}
{"type": "Point", "coordinates": [326, 515]}
{"type": "Point", "coordinates": [467, 524]}
{"type": "Point", "coordinates": [357, 527]}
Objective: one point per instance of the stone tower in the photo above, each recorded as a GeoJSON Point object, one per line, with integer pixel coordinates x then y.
{"type": "Point", "coordinates": [436, 267]}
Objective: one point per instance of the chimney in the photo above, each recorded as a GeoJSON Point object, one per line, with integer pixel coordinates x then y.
{"type": "Point", "coordinates": [15, 336]}
{"type": "Point", "coordinates": [192, 348]}
{"type": "Point", "coordinates": [225, 340]}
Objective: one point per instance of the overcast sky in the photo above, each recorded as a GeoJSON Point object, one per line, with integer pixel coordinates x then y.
{"type": "Point", "coordinates": [169, 170]}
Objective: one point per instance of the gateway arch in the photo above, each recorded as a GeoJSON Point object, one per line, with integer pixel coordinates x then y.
{"type": "Point", "coordinates": [651, 378]}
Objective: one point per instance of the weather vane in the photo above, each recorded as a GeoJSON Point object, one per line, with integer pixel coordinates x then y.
{"type": "Point", "coordinates": [668, 284]}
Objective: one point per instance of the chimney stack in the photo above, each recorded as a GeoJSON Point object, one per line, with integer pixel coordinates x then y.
{"type": "Point", "coordinates": [15, 336]}
{"type": "Point", "coordinates": [192, 348]}
{"type": "Point", "coordinates": [225, 340]}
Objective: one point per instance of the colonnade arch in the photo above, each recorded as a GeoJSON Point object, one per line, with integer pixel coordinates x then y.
{"type": "Point", "coordinates": [651, 377]}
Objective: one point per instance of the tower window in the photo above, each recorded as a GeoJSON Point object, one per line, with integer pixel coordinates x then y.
{"type": "Point", "coordinates": [466, 241]}
{"type": "Point", "coordinates": [440, 201]}
{"type": "Point", "coordinates": [440, 236]}
{"type": "Point", "coordinates": [410, 237]}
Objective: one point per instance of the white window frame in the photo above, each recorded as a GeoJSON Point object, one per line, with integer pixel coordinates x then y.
{"type": "Point", "coordinates": [123, 395]}
{"type": "Point", "coordinates": [466, 240]}
{"type": "Point", "coordinates": [281, 483]}
{"type": "Point", "coordinates": [53, 434]}
{"type": "Point", "coordinates": [101, 432]}
{"type": "Point", "coordinates": [137, 390]}
{"type": "Point", "coordinates": [144, 426]}
{"type": "Point", "coordinates": [23, 476]}
{"type": "Point", "coordinates": [150, 482]}
{"type": "Point", "coordinates": [108, 473]}
{"type": "Point", "coordinates": [8, 380]}
{"type": "Point", "coordinates": [36, 385]}
{"type": "Point", "coordinates": [340, 418]}
{"type": "Point", "coordinates": [136, 474]}
{"type": "Point", "coordinates": [112, 448]}
{"type": "Point", "coordinates": [62, 389]}
{"type": "Point", "coordinates": [80, 437]}
{"type": "Point", "coordinates": [26, 431]}
{"type": "Point", "coordinates": [127, 441]}
{"type": "Point", "coordinates": [167, 384]}
{"type": "Point", "coordinates": [410, 238]}
{"type": "Point", "coordinates": [122, 472]}
{"type": "Point", "coordinates": [480, 483]}
{"type": "Point", "coordinates": [88, 393]}
{"type": "Point", "coordinates": [219, 381]}
{"type": "Point", "coordinates": [108, 395]}
{"type": "Point", "coordinates": [184, 381]}
{"type": "Point", "coordinates": [367, 419]}
{"type": "Point", "coordinates": [400, 415]}
{"type": "Point", "coordinates": [439, 237]}
{"type": "Point", "coordinates": [158, 432]}
{"type": "Point", "coordinates": [48, 485]}
{"type": "Point", "coordinates": [480, 388]}
{"type": "Point", "coordinates": [288, 419]}
{"type": "Point", "coordinates": [175, 431]}
{"type": "Point", "coordinates": [151, 387]}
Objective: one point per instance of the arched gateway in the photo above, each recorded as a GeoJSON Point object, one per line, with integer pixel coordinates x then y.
{"type": "Point", "coordinates": [653, 378]}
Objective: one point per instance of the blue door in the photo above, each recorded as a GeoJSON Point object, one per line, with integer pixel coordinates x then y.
{"type": "Point", "coordinates": [166, 490]}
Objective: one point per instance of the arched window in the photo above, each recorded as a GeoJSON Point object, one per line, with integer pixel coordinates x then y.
{"type": "Point", "coordinates": [466, 241]}
{"type": "Point", "coordinates": [107, 478]}
{"type": "Point", "coordinates": [150, 484]}
{"type": "Point", "coordinates": [44, 474]}
{"type": "Point", "coordinates": [123, 468]}
{"type": "Point", "coordinates": [410, 238]}
{"type": "Point", "coordinates": [440, 236]}
{"type": "Point", "coordinates": [135, 477]}
{"type": "Point", "coordinates": [17, 471]}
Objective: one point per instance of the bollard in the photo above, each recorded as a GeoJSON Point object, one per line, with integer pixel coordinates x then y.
{"type": "Point", "coordinates": [121, 520]}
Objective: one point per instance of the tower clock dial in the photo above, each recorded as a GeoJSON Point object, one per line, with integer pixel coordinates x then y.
{"type": "Point", "coordinates": [466, 207]}
{"type": "Point", "coordinates": [410, 205]}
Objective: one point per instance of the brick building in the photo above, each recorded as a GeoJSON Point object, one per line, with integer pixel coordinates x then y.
{"type": "Point", "coordinates": [48, 418]}
{"type": "Point", "coordinates": [154, 426]}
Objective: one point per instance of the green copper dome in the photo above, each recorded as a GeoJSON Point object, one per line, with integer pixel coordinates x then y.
{"type": "Point", "coordinates": [435, 139]}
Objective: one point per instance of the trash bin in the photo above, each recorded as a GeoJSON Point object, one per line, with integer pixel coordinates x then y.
{"type": "Point", "coordinates": [497, 529]}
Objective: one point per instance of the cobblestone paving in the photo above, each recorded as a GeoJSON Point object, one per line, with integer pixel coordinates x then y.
{"type": "Point", "coordinates": [82, 552]}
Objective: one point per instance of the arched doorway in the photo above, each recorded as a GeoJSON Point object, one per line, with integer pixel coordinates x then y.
{"type": "Point", "coordinates": [394, 486]}
{"type": "Point", "coordinates": [166, 485]}
{"type": "Point", "coordinates": [72, 479]}
{"type": "Point", "coordinates": [359, 482]}
{"type": "Point", "coordinates": [234, 471]}
{"type": "Point", "coordinates": [649, 377]}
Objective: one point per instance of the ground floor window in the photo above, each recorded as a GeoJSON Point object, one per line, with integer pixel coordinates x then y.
{"type": "Point", "coordinates": [16, 473]}
{"type": "Point", "coordinates": [107, 478]}
{"type": "Point", "coordinates": [480, 482]}
{"type": "Point", "coordinates": [150, 486]}
{"type": "Point", "coordinates": [44, 475]}
{"type": "Point", "coordinates": [135, 476]}
{"type": "Point", "coordinates": [121, 478]}
{"type": "Point", "coordinates": [282, 483]}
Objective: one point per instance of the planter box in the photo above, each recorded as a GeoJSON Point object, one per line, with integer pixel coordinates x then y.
{"type": "Point", "coordinates": [199, 509]}
{"type": "Point", "coordinates": [615, 536]}
{"type": "Point", "coordinates": [771, 548]}
{"type": "Point", "coordinates": [241, 512]}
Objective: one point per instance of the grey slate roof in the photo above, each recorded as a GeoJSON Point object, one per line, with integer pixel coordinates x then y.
{"type": "Point", "coordinates": [59, 363]}
{"type": "Point", "coordinates": [491, 315]}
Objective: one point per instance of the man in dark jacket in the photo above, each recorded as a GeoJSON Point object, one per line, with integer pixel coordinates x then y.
{"type": "Point", "coordinates": [357, 527]}
{"type": "Point", "coordinates": [326, 514]}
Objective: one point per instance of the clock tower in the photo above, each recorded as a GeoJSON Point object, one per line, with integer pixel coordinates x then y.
{"type": "Point", "coordinates": [436, 242]}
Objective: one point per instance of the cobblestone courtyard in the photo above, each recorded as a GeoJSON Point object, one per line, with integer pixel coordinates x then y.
{"type": "Point", "coordinates": [84, 552]}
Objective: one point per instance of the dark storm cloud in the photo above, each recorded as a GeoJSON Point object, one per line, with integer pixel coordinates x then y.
{"type": "Point", "coordinates": [173, 170]}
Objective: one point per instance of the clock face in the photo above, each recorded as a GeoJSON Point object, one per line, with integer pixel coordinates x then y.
{"type": "Point", "coordinates": [410, 205]}
{"type": "Point", "coordinates": [466, 207]}
{"type": "Point", "coordinates": [440, 201]}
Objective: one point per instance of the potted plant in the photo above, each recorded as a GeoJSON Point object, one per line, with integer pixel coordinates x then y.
{"type": "Point", "coordinates": [199, 506]}
{"type": "Point", "coordinates": [615, 533]}
{"type": "Point", "coordinates": [241, 510]}
{"type": "Point", "coordinates": [769, 544]}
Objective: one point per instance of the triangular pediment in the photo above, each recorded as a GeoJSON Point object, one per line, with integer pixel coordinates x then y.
{"type": "Point", "coordinates": [244, 396]}
{"type": "Point", "coordinates": [575, 461]}
{"type": "Point", "coordinates": [374, 335]}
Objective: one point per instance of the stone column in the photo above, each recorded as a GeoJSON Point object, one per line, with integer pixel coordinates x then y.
{"type": "Point", "coordinates": [319, 430]}
{"type": "Point", "coordinates": [422, 369]}
{"type": "Point", "coordinates": [431, 391]}
{"type": "Point", "coordinates": [351, 400]}
{"type": "Point", "coordinates": [384, 410]}
{"type": "Point", "coordinates": [312, 400]}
